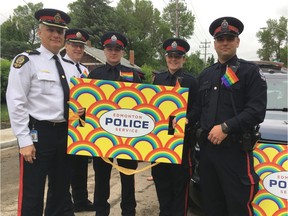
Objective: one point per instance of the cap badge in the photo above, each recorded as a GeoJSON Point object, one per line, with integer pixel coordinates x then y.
{"type": "Point", "coordinates": [224, 25]}
{"type": "Point", "coordinates": [174, 45]}
{"type": "Point", "coordinates": [57, 18]}
{"type": "Point", "coordinates": [78, 35]}
{"type": "Point", "coordinates": [114, 38]}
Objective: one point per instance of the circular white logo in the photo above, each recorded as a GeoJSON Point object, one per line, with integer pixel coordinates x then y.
{"type": "Point", "coordinates": [126, 123]}
{"type": "Point", "coordinates": [277, 184]}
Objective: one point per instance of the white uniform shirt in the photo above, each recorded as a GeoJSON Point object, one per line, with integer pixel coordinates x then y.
{"type": "Point", "coordinates": [82, 67]}
{"type": "Point", "coordinates": [35, 89]}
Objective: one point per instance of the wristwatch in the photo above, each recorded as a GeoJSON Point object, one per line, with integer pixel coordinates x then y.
{"type": "Point", "coordinates": [225, 128]}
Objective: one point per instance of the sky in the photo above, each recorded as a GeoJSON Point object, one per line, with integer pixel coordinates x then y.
{"type": "Point", "coordinates": [253, 13]}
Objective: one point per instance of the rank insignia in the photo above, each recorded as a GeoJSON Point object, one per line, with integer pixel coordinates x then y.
{"type": "Point", "coordinates": [57, 18]}
{"type": "Point", "coordinates": [224, 25]}
{"type": "Point", "coordinates": [78, 35]}
{"type": "Point", "coordinates": [20, 61]}
{"type": "Point", "coordinates": [114, 38]}
{"type": "Point", "coordinates": [174, 45]}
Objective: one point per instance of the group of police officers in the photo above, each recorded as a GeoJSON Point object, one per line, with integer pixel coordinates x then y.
{"type": "Point", "coordinates": [227, 100]}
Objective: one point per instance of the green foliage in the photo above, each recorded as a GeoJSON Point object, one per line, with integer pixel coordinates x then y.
{"type": "Point", "coordinates": [5, 121]}
{"type": "Point", "coordinates": [145, 31]}
{"type": "Point", "coordinates": [94, 16]}
{"type": "Point", "coordinates": [194, 64]}
{"type": "Point", "coordinates": [148, 70]}
{"type": "Point", "coordinates": [24, 17]}
{"type": "Point", "coordinates": [274, 40]}
{"type": "Point", "coordinates": [10, 31]}
{"type": "Point", "coordinates": [5, 68]}
{"type": "Point", "coordinates": [185, 19]}
{"type": "Point", "coordinates": [11, 48]}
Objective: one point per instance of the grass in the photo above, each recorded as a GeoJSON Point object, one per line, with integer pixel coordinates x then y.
{"type": "Point", "coordinates": [5, 122]}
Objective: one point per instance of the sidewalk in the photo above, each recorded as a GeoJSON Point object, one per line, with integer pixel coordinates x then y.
{"type": "Point", "coordinates": [7, 138]}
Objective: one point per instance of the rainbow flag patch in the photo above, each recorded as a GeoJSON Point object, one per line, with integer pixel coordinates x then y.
{"type": "Point", "coordinates": [229, 78]}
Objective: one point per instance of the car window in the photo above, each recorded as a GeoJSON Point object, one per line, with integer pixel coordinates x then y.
{"type": "Point", "coordinates": [277, 92]}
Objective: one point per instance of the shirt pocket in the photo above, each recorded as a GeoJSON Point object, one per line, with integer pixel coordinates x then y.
{"type": "Point", "coordinates": [47, 82]}
{"type": "Point", "coordinates": [205, 93]}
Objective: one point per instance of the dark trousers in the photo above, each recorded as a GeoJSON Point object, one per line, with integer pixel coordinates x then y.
{"type": "Point", "coordinates": [172, 187]}
{"type": "Point", "coordinates": [102, 187]}
{"type": "Point", "coordinates": [228, 180]}
{"type": "Point", "coordinates": [79, 179]}
{"type": "Point", "coordinates": [52, 161]}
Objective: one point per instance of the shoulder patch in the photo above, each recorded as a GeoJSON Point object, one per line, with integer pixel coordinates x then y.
{"type": "Point", "coordinates": [20, 61]}
{"type": "Point", "coordinates": [32, 52]}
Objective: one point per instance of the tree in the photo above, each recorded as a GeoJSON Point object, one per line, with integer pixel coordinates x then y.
{"type": "Point", "coordinates": [185, 19]}
{"type": "Point", "coordinates": [94, 16]}
{"type": "Point", "coordinates": [10, 31]}
{"type": "Point", "coordinates": [194, 64]}
{"type": "Point", "coordinates": [274, 41]}
{"type": "Point", "coordinates": [145, 30]}
{"type": "Point", "coordinates": [5, 67]}
{"type": "Point", "coordinates": [18, 33]}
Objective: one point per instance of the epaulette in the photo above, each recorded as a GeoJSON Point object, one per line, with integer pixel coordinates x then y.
{"type": "Point", "coordinates": [66, 60]}
{"type": "Point", "coordinates": [20, 61]}
{"type": "Point", "coordinates": [32, 52]}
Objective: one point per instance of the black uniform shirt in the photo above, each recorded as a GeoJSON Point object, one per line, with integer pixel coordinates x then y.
{"type": "Point", "coordinates": [109, 72]}
{"type": "Point", "coordinates": [249, 96]}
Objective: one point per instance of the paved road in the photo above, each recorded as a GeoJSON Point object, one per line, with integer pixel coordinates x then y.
{"type": "Point", "coordinates": [147, 203]}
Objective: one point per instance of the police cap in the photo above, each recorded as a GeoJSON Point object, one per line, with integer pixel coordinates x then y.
{"type": "Point", "coordinates": [52, 17]}
{"type": "Point", "coordinates": [114, 39]}
{"type": "Point", "coordinates": [177, 45]}
{"type": "Point", "coordinates": [76, 36]}
{"type": "Point", "coordinates": [226, 26]}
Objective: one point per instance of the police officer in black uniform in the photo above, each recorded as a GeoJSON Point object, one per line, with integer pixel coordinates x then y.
{"type": "Point", "coordinates": [172, 180]}
{"type": "Point", "coordinates": [113, 44]}
{"type": "Point", "coordinates": [75, 41]}
{"type": "Point", "coordinates": [37, 98]}
{"type": "Point", "coordinates": [233, 97]}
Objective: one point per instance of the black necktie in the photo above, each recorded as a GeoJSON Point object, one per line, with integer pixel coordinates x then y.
{"type": "Point", "coordinates": [64, 85]}
{"type": "Point", "coordinates": [172, 80]}
{"type": "Point", "coordinates": [78, 68]}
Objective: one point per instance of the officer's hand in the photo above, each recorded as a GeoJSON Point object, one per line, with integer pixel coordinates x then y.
{"type": "Point", "coordinates": [81, 111]}
{"type": "Point", "coordinates": [216, 135]}
{"type": "Point", "coordinates": [28, 153]}
{"type": "Point", "coordinates": [174, 123]}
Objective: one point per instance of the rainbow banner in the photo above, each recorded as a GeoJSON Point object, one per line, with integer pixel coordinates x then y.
{"type": "Point", "coordinates": [271, 164]}
{"type": "Point", "coordinates": [127, 120]}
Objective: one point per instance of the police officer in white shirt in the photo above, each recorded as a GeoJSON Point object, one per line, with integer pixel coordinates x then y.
{"type": "Point", "coordinates": [37, 104]}
{"type": "Point", "coordinates": [75, 40]}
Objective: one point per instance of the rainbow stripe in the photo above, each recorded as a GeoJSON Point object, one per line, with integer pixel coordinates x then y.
{"type": "Point", "coordinates": [84, 74]}
{"type": "Point", "coordinates": [229, 78]}
{"type": "Point", "coordinates": [150, 110]}
{"type": "Point", "coordinates": [83, 146]}
{"type": "Point", "coordinates": [124, 151]}
{"type": "Point", "coordinates": [163, 155]}
{"type": "Point", "coordinates": [126, 76]}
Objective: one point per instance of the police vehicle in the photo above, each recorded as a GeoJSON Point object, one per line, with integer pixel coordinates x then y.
{"type": "Point", "coordinates": [270, 153]}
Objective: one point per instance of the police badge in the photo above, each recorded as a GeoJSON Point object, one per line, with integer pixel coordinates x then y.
{"type": "Point", "coordinates": [174, 45]}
